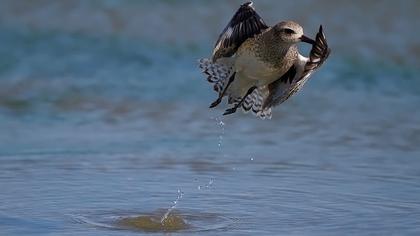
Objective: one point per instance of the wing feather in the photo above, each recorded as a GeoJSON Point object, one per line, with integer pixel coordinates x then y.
{"type": "Point", "coordinates": [294, 79]}
{"type": "Point", "coordinates": [246, 23]}
{"type": "Point", "coordinates": [319, 53]}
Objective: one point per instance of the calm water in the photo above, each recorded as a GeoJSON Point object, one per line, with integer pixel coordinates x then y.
{"type": "Point", "coordinates": [103, 115]}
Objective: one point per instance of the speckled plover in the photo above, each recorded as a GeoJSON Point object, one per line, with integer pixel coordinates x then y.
{"type": "Point", "coordinates": [257, 66]}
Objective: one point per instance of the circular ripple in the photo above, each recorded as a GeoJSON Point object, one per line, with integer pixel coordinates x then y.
{"type": "Point", "coordinates": [182, 221]}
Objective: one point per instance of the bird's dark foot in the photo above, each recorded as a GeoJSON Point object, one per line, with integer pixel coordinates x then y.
{"type": "Point", "coordinates": [230, 111]}
{"type": "Point", "coordinates": [215, 103]}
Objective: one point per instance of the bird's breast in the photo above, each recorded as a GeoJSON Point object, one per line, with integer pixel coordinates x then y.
{"type": "Point", "coordinates": [251, 66]}
{"type": "Point", "coordinates": [249, 63]}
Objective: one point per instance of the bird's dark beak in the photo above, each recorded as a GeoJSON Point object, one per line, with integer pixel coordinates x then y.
{"type": "Point", "coordinates": [307, 40]}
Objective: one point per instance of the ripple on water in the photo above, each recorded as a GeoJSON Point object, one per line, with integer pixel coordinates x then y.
{"type": "Point", "coordinates": [183, 221]}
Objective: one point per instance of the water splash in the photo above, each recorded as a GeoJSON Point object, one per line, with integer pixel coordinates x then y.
{"type": "Point", "coordinates": [178, 198]}
{"type": "Point", "coordinates": [149, 222]}
{"type": "Point", "coordinates": [206, 186]}
{"type": "Point", "coordinates": [221, 124]}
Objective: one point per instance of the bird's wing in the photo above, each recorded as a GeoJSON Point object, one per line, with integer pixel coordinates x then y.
{"type": "Point", "coordinates": [254, 102]}
{"type": "Point", "coordinates": [288, 84]}
{"type": "Point", "coordinates": [245, 24]}
{"type": "Point", "coordinates": [284, 87]}
{"type": "Point", "coordinates": [319, 53]}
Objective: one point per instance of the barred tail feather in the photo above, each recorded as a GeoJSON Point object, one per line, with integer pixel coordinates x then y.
{"type": "Point", "coordinates": [254, 102]}
{"type": "Point", "coordinates": [217, 73]}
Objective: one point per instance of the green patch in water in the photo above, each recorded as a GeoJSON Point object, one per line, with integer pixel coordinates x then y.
{"type": "Point", "coordinates": [153, 223]}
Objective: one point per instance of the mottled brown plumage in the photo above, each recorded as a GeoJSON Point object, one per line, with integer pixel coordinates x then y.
{"type": "Point", "coordinates": [264, 64]}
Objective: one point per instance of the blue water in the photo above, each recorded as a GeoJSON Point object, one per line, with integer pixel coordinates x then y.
{"type": "Point", "coordinates": [104, 114]}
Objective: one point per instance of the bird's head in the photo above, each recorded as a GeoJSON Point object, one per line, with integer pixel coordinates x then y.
{"type": "Point", "coordinates": [291, 32]}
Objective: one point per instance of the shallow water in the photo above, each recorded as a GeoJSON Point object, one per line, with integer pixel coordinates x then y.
{"type": "Point", "coordinates": [103, 115]}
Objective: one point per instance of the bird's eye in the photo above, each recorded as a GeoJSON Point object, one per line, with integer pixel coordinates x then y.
{"type": "Point", "coordinates": [289, 31]}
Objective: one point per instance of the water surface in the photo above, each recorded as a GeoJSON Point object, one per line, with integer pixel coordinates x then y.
{"type": "Point", "coordinates": [103, 115]}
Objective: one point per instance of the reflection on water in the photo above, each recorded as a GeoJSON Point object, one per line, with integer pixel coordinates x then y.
{"type": "Point", "coordinates": [103, 117]}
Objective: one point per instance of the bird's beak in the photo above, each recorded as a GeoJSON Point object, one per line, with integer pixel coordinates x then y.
{"type": "Point", "coordinates": [307, 40]}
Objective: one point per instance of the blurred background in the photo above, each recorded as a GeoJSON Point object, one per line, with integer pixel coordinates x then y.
{"type": "Point", "coordinates": [103, 108]}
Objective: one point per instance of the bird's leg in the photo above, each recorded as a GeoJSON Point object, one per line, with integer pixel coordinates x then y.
{"type": "Point", "coordinates": [233, 109]}
{"type": "Point", "coordinates": [219, 99]}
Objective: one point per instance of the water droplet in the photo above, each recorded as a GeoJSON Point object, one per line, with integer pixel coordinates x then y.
{"type": "Point", "coordinates": [207, 186]}
{"type": "Point", "coordinates": [165, 216]}
{"type": "Point", "coordinates": [222, 129]}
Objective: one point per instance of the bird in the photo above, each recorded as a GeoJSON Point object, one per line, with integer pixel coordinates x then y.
{"type": "Point", "coordinates": [257, 66]}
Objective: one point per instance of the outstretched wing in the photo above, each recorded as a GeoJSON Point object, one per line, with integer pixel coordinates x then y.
{"type": "Point", "coordinates": [245, 24]}
{"type": "Point", "coordinates": [294, 79]}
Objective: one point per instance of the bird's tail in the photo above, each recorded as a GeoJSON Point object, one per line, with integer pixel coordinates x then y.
{"type": "Point", "coordinates": [254, 102]}
{"type": "Point", "coordinates": [217, 73]}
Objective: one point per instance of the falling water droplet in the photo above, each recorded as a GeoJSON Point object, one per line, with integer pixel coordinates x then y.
{"type": "Point", "coordinates": [207, 186]}
{"type": "Point", "coordinates": [221, 124]}
{"type": "Point", "coordinates": [211, 181]}
{"type": "Point", "coordinates": [170, 209]}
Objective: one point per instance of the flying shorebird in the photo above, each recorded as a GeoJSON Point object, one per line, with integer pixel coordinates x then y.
{"type": "Point", "coordinates": [258, 67]}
